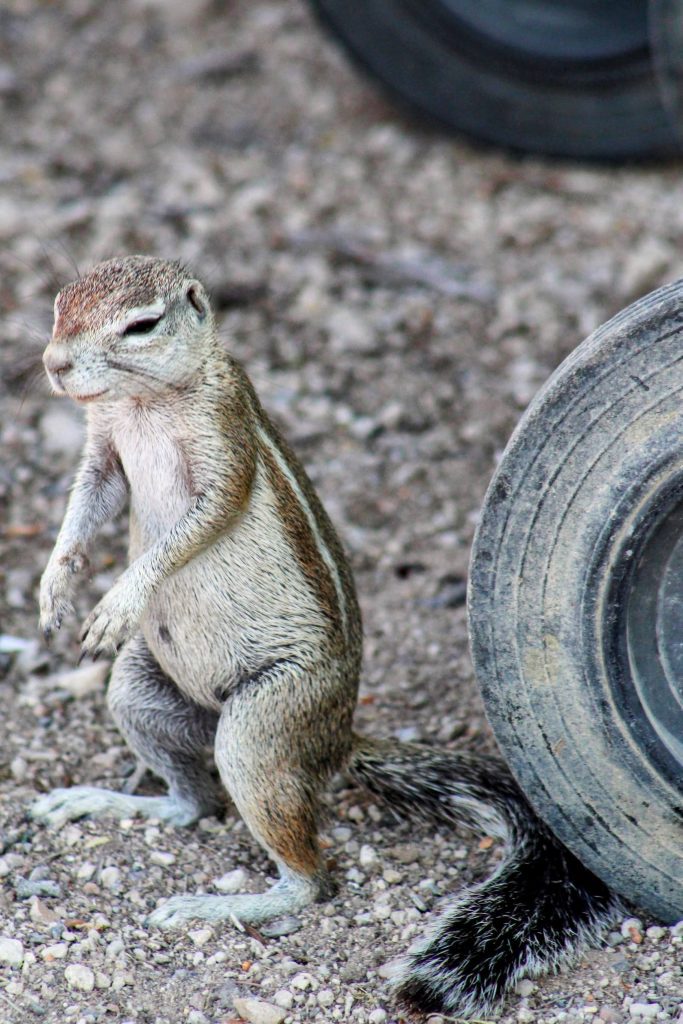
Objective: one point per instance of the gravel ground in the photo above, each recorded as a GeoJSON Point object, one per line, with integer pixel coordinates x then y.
{"type": "Point", "coordinates": [398, 298]}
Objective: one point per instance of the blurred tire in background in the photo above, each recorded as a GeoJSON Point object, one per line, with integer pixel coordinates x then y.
{"type": "Point", "coordinates": [573, 78]}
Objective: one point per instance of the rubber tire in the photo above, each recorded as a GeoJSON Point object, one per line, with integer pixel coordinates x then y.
{"type": "Point", "coordinates": [666, 31]}
{"type": "Point", "coordinates": [603, 110]}
{"type": "Point", "coordinates": [595, 460]}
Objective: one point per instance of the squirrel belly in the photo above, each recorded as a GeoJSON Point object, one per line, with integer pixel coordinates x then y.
{"type": "Point", "coordinates": [236, 627]}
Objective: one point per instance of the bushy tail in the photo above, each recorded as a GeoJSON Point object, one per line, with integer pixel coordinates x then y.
{"type": "Point", "coordinates": [537, 911]}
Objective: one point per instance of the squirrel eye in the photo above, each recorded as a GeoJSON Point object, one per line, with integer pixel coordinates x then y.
{"type": "Point", "coordinates": [145, 325]}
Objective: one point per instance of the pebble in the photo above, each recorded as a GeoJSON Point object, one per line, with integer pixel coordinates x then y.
{"type": "Point", "coordinates": [201, 936]}
{"type": "Point", "coordinates": [79, 976]}
{"type": "Point", "coordinates": [610, 1015]}
{"type": "Point", "coordinates": [281, 926]}
{"type": "Point", "coordinates": [525, 987]}
{"type": "Point", "coordinates": [326, 997]}
{"type": "Point", "coordinates": [162, 858]}
{"type": "Point", "coordinates": [26, 887]}
{"type": "Point", "coordinates": [367, 856]}
{"type": "Point", "coordinates": [646, 1010]}
{"type": "Point", "coordinates": [632, 928]}
{"type": "Point", "coordinates": [81, 682]}
{"type": "Point", "coordinates": [231, 881]}
{"type": "Point", "coordinates": [111, 878]}
{"type": "Point", "coordinates": [284, 998]}
{"type": "Point", "coordinates": [11, 951]}
{"type": "Point", "coordinates": [259, 1012]}
{"type": "Point", "coordinates": [56, 951]}
{"type": "Point", "coordinates": [41, 913]}
{"type": "Point", "coordinates": [303, 980]}
{"type": "Point", "coordinates": [377, 1016]}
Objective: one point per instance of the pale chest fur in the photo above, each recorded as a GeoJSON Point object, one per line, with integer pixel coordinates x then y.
{"type": "Point", "coordinates": [150, 446]}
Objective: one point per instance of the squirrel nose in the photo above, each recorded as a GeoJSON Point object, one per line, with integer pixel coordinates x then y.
{"type": "Point", "coordinates": [57, 360]}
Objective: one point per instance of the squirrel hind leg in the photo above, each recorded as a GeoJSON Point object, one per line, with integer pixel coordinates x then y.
{"type": "Point", "coordinates": [170, 734]}
{"type": "Point", "coordinates": [167, 732]}
{"type": "Point", "coordinates": [263, 755]}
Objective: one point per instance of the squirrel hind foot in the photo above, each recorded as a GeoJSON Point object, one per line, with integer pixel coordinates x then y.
{"type": "Point", "coordinates": [62, 805]}
{"type": "Point", "coordinates": [291, 893]}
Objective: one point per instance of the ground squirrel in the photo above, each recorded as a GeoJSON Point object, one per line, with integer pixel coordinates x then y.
{"type": "Point", "coordinates": [236, 628]}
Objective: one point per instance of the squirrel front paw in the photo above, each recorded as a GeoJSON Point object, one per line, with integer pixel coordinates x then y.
{"type": "Point", "coordinates": [114, 619]}
{"type": "Point", "coordinates": [55, 590]}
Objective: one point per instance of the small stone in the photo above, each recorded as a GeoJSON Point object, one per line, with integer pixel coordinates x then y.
{"type": "Point", "coordinates": [56, 951]}
{"type": "Point", "coordinates": [231, 881]}
{"type": "Point", "coordinates": [201, 936]}
{"type": "Point", "coordinates": [281, 926]}
{"type": "Point", "coordinates": [326, 997]}
{"type": "Point", "coordinates": [81, 682]}
{"type": "Point", "coordinates": [79, 976]}
{"type": "Point", "coordinates": [367, 856]}
{"type": "Point", "coordinates": [610, 1015]}
{"type": "Point", "coordinates": [102, 980]}
{"type": "Point", "coordinates": [525, 987]}
{"type": "Point", "coordinates": [389, 970]}
{"type": "Point", "coordinates": [632, 928]}
{"type": "Point", "coordinates": [284, 998]}
{"type": "Point", "coordinates": [525, 1015]}
{"type": "Point", "coordinates": [406, 853]}
{"type": "Point", "coordinates": [111, 878]}
{"type": "Point", "coordinates": [655, 933]}
{"type": "Point", "coordinates": [86, 871]}
{"type": "Point", "coordinates": [27, 887]}
{"type": "Point", "coordinates": [342, 833]}
{"type": "Point", "coordinates": [41, 913]}
{"type": "Point", "coordinates": [647, 1011]}
{"type": "Point", "coordinates": [303, 980]}
{"type": "Point", "coordinates": [11, 951]}
{"type": "Point", "coordinates": [197, 1017]}
{"type": "Point", "coordinates": [391, 877]}
{"type": "Point", "coordinates": [677, 930]}
{"type": "Point", "coordinates": [162, 858]}
{"type": "Point", "coordinates": [259, 1012]}
{"type": "Point", "coordinates": [377, 1016]}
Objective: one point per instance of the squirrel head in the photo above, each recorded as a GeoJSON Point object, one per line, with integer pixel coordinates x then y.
{"type": "Point", "coordinates": [136, 327]}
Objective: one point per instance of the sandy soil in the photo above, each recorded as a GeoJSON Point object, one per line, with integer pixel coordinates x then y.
{"type": "Point", "coordinates": [235, 137]}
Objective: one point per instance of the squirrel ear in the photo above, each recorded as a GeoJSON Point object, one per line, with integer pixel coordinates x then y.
{"type": "Point", "coordinates": [195, 296]}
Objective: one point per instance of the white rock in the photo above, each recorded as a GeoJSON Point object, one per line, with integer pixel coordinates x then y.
{"type": "Point", "coordinates": [86, 871]}
{"type": "Point", "coordinates": [646, 1010]}
{"type": "Point", "coordinates": [655, 933]}
{"type": "Point", "coordinates": [111, 878]}
{"type": "Point", "coordinates": [284, 998]}
{"type": "Point", "coordinates": [630, 925]}
{"type": "Point", "coordinates": [197, 1017]}
{"type": "Point", "coordinates": [82, 681]}
{"type": "Point", "coordinates": [162, 857]}
{"type": "Point", "coordinates": [56, 951]}
{"type": "Point", "coordinates": [367, 856]}
{"type": "Point", "coordinates": [326, 997]}
{"type": "Point", "coordinates": [231, 881]}
{"type": "Point", "coordinates": [201, 936]}
{"type": "Point", "coordinates": [525, 987]}
{"type": "Point", "coordinates": [302, 980]}
{"type": "Point", "coordinates": [79, 976]}
{"type": "Point", "coordinates": [377, 1016]}
{"type": "Point", "coordinates": [41, 913]}
{"type": "Point", "coordinates": [11, 951]}
{"type": "Point", "coordinates": [259, 1012]}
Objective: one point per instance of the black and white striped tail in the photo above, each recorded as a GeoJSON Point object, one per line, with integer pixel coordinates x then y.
{"type": "Point", "coordinates": [537, 911]}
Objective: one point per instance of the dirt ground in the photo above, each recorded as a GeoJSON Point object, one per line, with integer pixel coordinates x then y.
{"type": "Point", "coordinates": [397, 297]}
